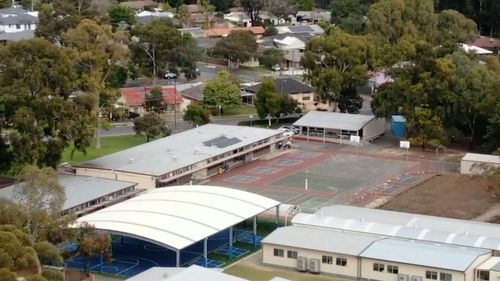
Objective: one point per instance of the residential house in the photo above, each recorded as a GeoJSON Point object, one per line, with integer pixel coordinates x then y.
{"type": "Point", "coordinates": [195, 32]}
{"type": "Point", "coordinates": [17, 20]}
{"type": "Point", "coordinates": [302, 93]}
{"type": "Point", "coordinates": [146, 17]}
{"type": "Point", "coordinates": [139, 4]}
{"type": "Point", "coordinates": [310, 17]}
{"type": "Point", "coordinates": [312, 29]}
{"type": "Point", "coordinates": [198, 17]}
{"type": "Point", "coordinates": [258, 31]}
{"type": "Point", "coordinates": [193, 93]}
{"type": "Point", "coordinates": [488, 43]}
{"type": "Point", "coordinates": [134, 99]}
{"type": "Point", "coordinates": [475, 50]}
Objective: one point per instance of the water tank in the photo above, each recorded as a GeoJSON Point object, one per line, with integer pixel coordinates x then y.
{"type": "Point", "coordinates": [398, 126]}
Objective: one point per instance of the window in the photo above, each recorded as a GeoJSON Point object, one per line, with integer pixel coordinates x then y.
{"type": "Point", "coordinates": [327, 259]}
{"type": "Point", "coordinates": [444, 276]}
{"type": "Point", "coordinates": [394, 269]}
{"type": "Point", "coordinates": [18, 26]}
{"type": "Point", "coordinates": [431, 275]}
{"type": "Point", "coordinates": [291, 254]}
{"type": "Point", "coordinates": [341, 262]}
{"type": "Point", "coordinates": [306, 98]}
{"type": "Point", "coordinates": [378, 267]}
{"type": "Point", "coordinates": [279, 252]}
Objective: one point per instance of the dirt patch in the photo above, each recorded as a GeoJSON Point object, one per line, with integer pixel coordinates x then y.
{"type": "Point", "coordinates": [453, 196]}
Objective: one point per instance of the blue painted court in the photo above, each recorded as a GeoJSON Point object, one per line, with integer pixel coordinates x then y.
{"type": "Point", "coordinates": [132, 256]}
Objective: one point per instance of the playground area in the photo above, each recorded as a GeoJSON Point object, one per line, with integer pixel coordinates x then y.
{"type": "Point", "coordinates": [132, 256]}
{"type": "Point", "coordinates": [313, 178]}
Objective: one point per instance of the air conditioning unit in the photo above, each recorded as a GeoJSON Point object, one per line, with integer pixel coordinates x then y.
{"type": "Point", "coordinates": [314, 265]}
{"type": "Point", "coordinates": [302, 264]}
{"type": "Point", "coordinates": [416, 278]}
{"type": "Point", "coordinates": [403, 277]}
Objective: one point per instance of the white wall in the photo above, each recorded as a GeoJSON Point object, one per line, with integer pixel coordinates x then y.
{"type": "Point", "coordinates": [268, 258]}
{"type": "Point", "coordinates": [13, 28]}
{"type": "Point", "coordinates": [468, 167]}
{"type": "Point", "coordinates": [367, 271]}
{"type": "Point", "coordinates": [143, 181]}
{"type": "Point", "coordinates": [373, 129]}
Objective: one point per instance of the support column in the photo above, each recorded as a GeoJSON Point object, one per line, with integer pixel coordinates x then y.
{"type": "Point", "coordinates": [277, 216]}
{"type": "Point", "coordinates": [324, 135]}
{"type": "Point", "coordinates": [205, 252]}
{"type": "Point", "coordinates": [101, 260]}
{"type": "Point", "coordinates": [231, 243]}
{"type": "Point", "coordinates": [122, 240]}
{"type": "Point", "coordinates": [307, 133]}
{"type": "Point", "coordinates": [177, 258]}
{"type": "Point", "coordinates": [255, 232]}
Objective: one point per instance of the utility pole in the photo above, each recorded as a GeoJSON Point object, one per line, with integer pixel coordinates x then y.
{"type": "Point", "coordinates": [98, 131]}
{"type": "Point", "coordinates": [175, 105]}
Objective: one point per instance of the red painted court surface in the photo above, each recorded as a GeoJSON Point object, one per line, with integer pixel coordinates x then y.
{"type": "Point", "coordinates": [332, 176]}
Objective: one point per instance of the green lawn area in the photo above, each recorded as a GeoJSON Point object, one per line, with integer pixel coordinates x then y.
{"type": "Point", "coordinates": [267, 273]}
{"type": "Point", "coordinates": [108, 145]}
{"type": "Point", "coordinates": [243, 109]}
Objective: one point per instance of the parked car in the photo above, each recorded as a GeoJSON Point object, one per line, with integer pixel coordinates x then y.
{"type": "Point", "coordinates": [276, 67]}
{"type": "Point", "coordinates": [289, 129]}
{"type": "Point", "coordinates": [170, 75]}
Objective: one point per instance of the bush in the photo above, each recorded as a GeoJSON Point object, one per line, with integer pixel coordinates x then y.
{"type": "Point", "coordinates": [53, 275]}
{"type": "Point", "coordinates": [7, 275]}
{"type": "Point", "coordinates": [270, 30]}
{"type": "Point", "coordinates": [48, 253]}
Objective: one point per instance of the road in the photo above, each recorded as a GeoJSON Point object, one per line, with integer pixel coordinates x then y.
{"type": "Point", "coordinates": [207, 72]}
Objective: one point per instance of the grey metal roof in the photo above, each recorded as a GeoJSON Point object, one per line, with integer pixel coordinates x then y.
{"type": "Point", "coordinates": [168, 154]}
{"type": "Point", "coordinates": [326, 240]}
{"type": "Point", "coordinates": [17, 36]}
{"type": "Point", "coordinates": [334, 120]}
{"type": "Point", "coordinates": [423, 253]}
{"type": "Point", "coordinates": [192, 273]}
{"type": "Point", "coordinates": [19, 19]}
{"type": "Point", "coordinates": [404, 225]}
{"type": "Point", "coordinates": [79, 189]}
{"type": "Point", "coordinates": [285, 86]}
{"type": "Point", "coordinates": [194, 93]}
{"type": "Point", "coordinates": [13, 11]}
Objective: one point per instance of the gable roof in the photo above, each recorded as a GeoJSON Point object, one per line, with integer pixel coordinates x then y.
{"type": "Point", "coordinates": [193, 93]}
{"type": "Point", "coordinates": [334, 120]}
{"type": "Point", "coordinates": [225, 31]}
{"type": "Point", "coordinates": [136, 5]}
{"type": "Point", "coordinates": [284, 85]}
{"type": "Point", "coordinates": [191, 273]}
{"type": "Point", "coordinates": [136, 96]}
{"type": "Point", "coordinates": [486, 42]}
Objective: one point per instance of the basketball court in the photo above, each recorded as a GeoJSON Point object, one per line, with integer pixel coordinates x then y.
{"type": "Point", "coordinates": [312, 179]}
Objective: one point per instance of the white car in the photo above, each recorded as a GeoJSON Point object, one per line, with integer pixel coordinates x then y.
{"type": "Point", "coordinates": [170, 75]}
{"type": "Point", "coordinates": [291, 129]}
{"type": "Point", "coordinates": [276, 67]}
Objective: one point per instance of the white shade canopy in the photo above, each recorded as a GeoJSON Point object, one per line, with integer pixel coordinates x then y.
{"type": "Point", "coordinates": [179, 216]}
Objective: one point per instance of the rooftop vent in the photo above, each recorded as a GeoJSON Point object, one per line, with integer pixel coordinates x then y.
{"type": "Point", "coordinates": [131, 160]}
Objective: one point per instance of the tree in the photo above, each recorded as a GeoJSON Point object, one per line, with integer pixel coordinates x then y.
{"type": "Point", "coordinates": [120, 14]}
{"type": "Point", "coordinates": [15, 250]}
{"type": "Point", "coordinates": [159, 46]}
{"type": "Point", "coordinates": [425, 128]}
{"type": "Point", "coordinates": [337, 64]}
{"type": "Point", "coordinates": [455, 28]}
{"type": "Point", "coordinates": [37, 105]}
{"type": "Point", "coordinates": [222, 92]}
{"type": "Point", "coordinates": [154, 100]}
{"type": "Point", "coordinates": [390, 20]}
{"type": "Point", "coordinates": [222, 5]}
{"type": "Point", "coordinates": [7, 275]}
{"type": "Point", "coordinates": [196, 115]}
{"type": "Point", "coordinates": [239, 46]}
{"type": "Point", "coordinates": [183, 14]}
{"type": "Point", "coordinates": [48, 253]}
{"type": "Point", "coordinates": [267, 100]}
{"type": "Point", "coordinates": [98, 51]}
{"type": "Point", "coordinates": [59, 16]}
{"type": "Point", "coordinates": [305, 5]}
{"type": "Point", "coordinates": [350, 101]}
{"type": "Point", "coordinates": [40, 199]}
{"type": "Point", "coordinates": [272, 57]}
{"type": "Point", "coordinates": [93, 243]}
{"type": "Point", "coordinates": [252, 8]}
{"type": "Point", "coordinates": [151, 125]}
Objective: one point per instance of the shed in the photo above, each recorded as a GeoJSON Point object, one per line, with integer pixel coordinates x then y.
{"type": "Point", "coordinates": [339, 127]}
{"type": "Point", "coordinates": [398, 126]}
{"type": "Point", "coordinates": [475, 164]}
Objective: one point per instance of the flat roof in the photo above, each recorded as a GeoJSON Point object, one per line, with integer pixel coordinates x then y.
{"type": "Point", "coordinates": [334, 120]}
{"type": "Point", "coordinates": [405, 225]}
{"type": "Point", "coordinates": [178, 216]}
{"type": "Point", "coordinates": [171, 153]}
{"type": "Point", "coordinates": [78, 189]}
{"type": "Point", "coordinates": [423, 253]}
{"type": "Point", "coordinates": [191, 273]}
{"type": "Point", "coordinates": [486, 158]}
{"type": "Point", "coordinates": [325, 240]}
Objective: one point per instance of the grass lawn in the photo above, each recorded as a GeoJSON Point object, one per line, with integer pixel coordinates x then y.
{"type": "Point", "coordinates": [243, 109]}
{"type": "Point", "coordinates": [266, 273]}
{"type": "Point", "coordinates": [108, 145]}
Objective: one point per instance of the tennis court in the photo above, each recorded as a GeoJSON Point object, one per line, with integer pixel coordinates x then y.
{"type": "Point", "coordinates": [132, 256]}
{"type": "Point", "coordinates": [312, 179]}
